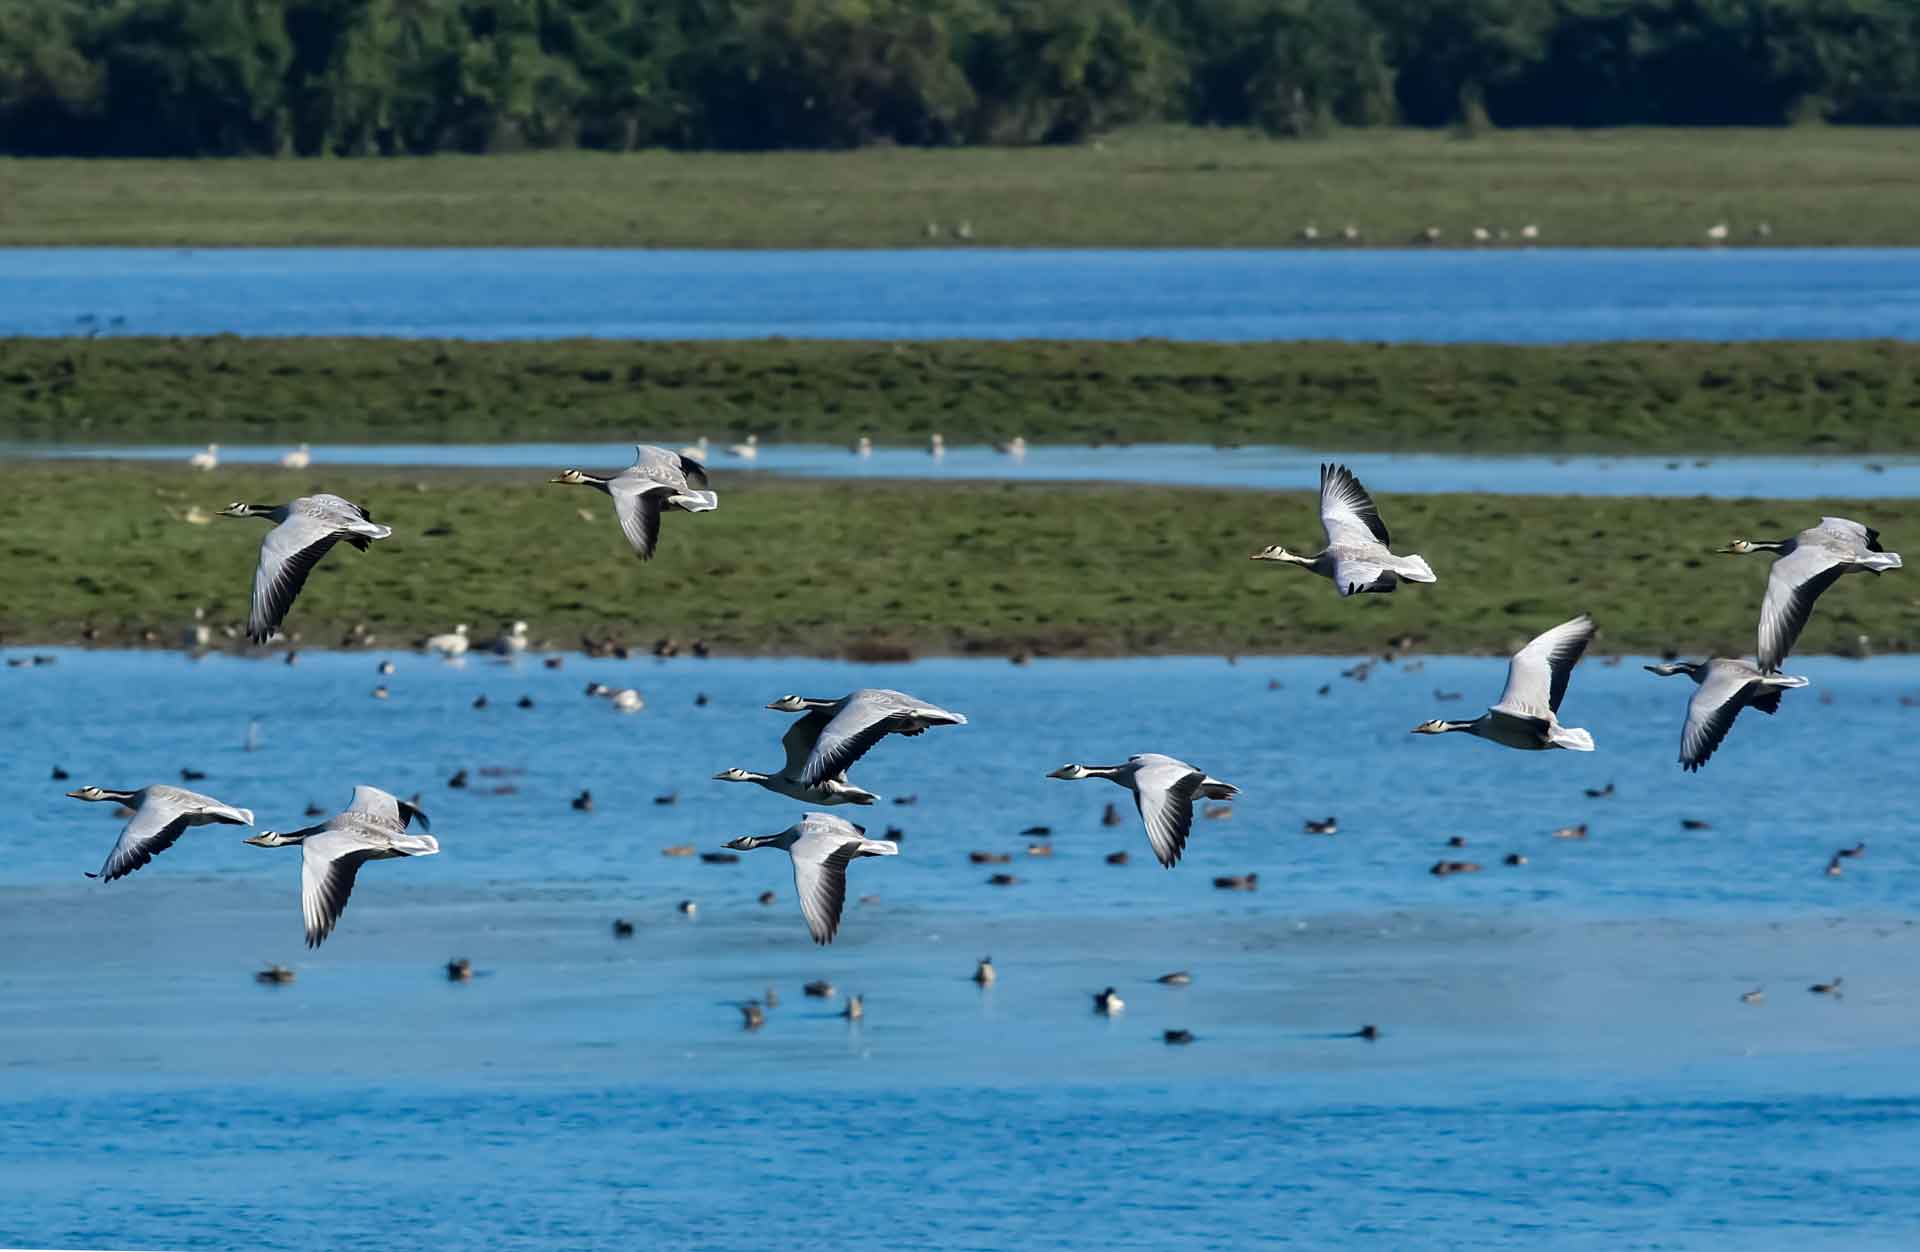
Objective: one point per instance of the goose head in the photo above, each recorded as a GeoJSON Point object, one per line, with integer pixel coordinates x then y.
{"type": "Point", "coordinates": [736, 774]}
{"type": "Point", "coordinates": [1276, 552]}
{"type": "Point", "coordinates": [1667, 669]}
{"type": "Point", "coordinates": [571, 477]}
{"type": "Point", "coordinates": [241, 509]}
{"type": "Point", "coordinates": [747, 843]}
{"type": "Point", "coordinates": [1739, 547]}
{"type": "Point", "coordinates": [1437, 726]}
{"type": "Point", "coordinates": [90, 793]}
{"type": "Point", "coordinates": [271, 839]}
{"type": "Point", "coordinates": [789, 704]}
{"type": "Point", "coordinates": [1072, 773]}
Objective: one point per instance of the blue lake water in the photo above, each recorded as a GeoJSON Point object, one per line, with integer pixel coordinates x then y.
{"type": "Point", "coordinates": [1515, 296]}
{"type": "Point", "coordinates": [1186, 465]}
{"type": "Point", "coordinates": [1565, 1061]}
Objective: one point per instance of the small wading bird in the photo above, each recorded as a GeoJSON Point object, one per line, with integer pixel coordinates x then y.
{"type": "Point", "coordinates": [799, 742]}
{"type": "Point", "coordinates": [1163, 788]}
{"type": "Point", "coordinates": [821, 847]}
{"type": "Point", "coordinates": [851, 725]}
{"type": "Point", "coordinates": [372, 828]}
{"type": "Point", "coordinates": [1809, 563]}
{"type": "Point", "coordinates": [1725, 687]}
{"type": "Point", "coordinates": [161, 814]}
{"type": "Point", "coordinates": [1526, 715]}
{"type": "Point", "coordinates": [1355, 555]}
{"type": "Point", "coordinates": [657, 480]}
{"type": "Point", "coordinates": [306, 530]}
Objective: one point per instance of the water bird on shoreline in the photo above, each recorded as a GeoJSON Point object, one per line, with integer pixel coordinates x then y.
{"type": "Point", "coordinates": [1724, 687]}
{"type": "Point", "coordinates": [300, 458]}
{"type": "Point", "coordinates": [1015, 447]}
{"type": "Point", "coordinates": [274, 975]}
{"type": "Point", "coordinates": [850, 726]}
{"type": "Point", "coordinates": [373, 827]}
{"type": "Point", "coordinates": [305, 530]}
{"type": "Point", "coordinates": [748, 450]}
{"type": "Point", "coordinates": [1809, 563]}
{"type": "Point", "coordinates": [699, 450]}
{"type": "Point", "coordinates": [161, 814]}
{"type": "Point", "coordinates": [448, 646]}
{"type": "Point", "coordinates": [657, 480]}
{"type": "Point", "coordinates": [510, 642]}
{"type": "Point", "coordinates": [821, 847]}
{"type": "Point", "coordinates": [936, 445]}
{"type": "Point", "coordinates": [1108, 1002]}
{"type": "Point", "coordinates": [1330, 826]}
{"type": "Point", "coordinates": [207, 459]}
{"type": "Point", "coordinates": [1355, 555]}
{"type": "Point", "coordinates": [459, 969]}
{"type": "Point", "coordinates": [984, 973]}
{"type": "Point", "coordinates": [1163, 790]}
{"type": "Point", "coordinates": [1527, 713]}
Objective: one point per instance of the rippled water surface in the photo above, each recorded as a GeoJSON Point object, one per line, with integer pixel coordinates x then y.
{"type": "Point", "coordinates": [1191, 465]}
{"type": "Point", "coordinates": [1564, 1061]}
{"type": "Point", "coordinates": [1505, 296]}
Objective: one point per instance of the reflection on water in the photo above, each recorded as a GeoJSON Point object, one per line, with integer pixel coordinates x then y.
{"type": "Point", "coordinates": [1561, 1041]}
{"type": "Point", "coordinates": [1185, 465]}
{"type": "Point", "coordinates": [1519, 296]}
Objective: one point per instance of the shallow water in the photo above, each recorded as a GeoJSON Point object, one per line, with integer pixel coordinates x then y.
{"type": "Point", "coordinates": [1565, 1059]}
{"type": "Point", "coordinates": [1506, 296]}
{"type": "Point", "coordinates": [1186, 465]}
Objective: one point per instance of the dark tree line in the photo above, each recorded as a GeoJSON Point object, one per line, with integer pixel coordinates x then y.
{"type": "Point", "coordinates": [345, 77]}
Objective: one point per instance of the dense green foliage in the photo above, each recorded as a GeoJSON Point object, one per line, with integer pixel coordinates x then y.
{"type": "Point", "coordinates": [965, 567]}
{"type": "Point", "coordinates": [1667, 398]}
{"type": "Point", "coordinates": [228, 77]}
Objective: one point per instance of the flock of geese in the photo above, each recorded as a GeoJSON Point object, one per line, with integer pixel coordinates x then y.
{"type": "Point", "coordinates": [829, 736]}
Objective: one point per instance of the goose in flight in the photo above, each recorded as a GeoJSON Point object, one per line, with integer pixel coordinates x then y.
{"type": "Point", "coordinates": [1355, 554]}
{"type": "Point", "coordinates": [372, 828]}
{"type": "Point", "coordinates": [306, 530]}
{"type": "Point", "coordinates": [821, 847]}
{"type": "Point", "coordinates": [799, 741]}
{"type": "Point", "coordinates": [161, 814]}
{"type": "Point", "coordinates": [656, 481]}
{"type": "Point", "coordinates": [1163, 788]}
{"type": "Point", "coordinates": [1725, 687]}
{"type": "Point", "coordinates": [1809, 563]}
{"type": "Point", "coordinates": [851, 725]}
{"type": "Point", "coordinates": [1526, 714]}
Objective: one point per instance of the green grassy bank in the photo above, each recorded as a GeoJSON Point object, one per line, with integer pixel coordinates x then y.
{"type": "Point", "coordinates": [1158, 187]}
{"type": "Point", "coordinates": [1861, 398]}
{"type": "Point", "coordinates": [824, 567]}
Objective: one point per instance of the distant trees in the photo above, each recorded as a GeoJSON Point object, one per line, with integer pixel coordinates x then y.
{"type": "Point", "coordinates": [350, 77]}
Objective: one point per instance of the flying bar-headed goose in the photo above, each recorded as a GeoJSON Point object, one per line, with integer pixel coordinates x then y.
{"type": "Point", "coordinates": [307, 529]}
{"type": "Point", "coordinates": [821, 847]}
{"type": "Point", "coordinates": [161, 814]}
{"type": "Point", "coordinates": [851, 725]}
{"type": "Point", "coordinates": [372, 828]}
{"type": "Point", "coordinates": [657, 480]}
{"type": "Point", "coordinates": [1526, 715]}
{"type": "Point", "coordinates": [1163, 788]}
{"type": "Point", "coordinates": [1726, 687]}
{"type": "Point", "coordinates": [799, 741]}
{"type": "Point", "coordinates": [1355, 555]}
{"type": "Point", "coordinates": [1809, 563]}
